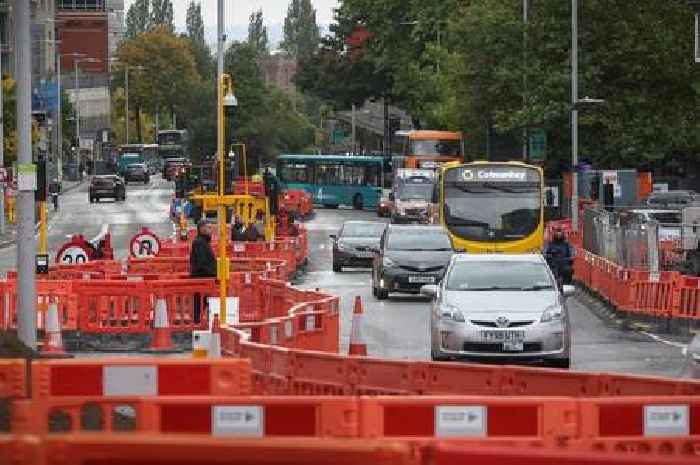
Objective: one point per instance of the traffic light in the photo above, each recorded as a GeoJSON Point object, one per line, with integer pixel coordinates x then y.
{"type": "Point", "coordinates": [41, 182]}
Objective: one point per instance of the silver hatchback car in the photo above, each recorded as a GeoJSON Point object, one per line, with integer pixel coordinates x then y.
{"type": "Point", "coordinates": [500, 308]}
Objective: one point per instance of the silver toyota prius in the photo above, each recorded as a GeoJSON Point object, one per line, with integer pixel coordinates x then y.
{"type": "Point", "coordinates": [500, 308]}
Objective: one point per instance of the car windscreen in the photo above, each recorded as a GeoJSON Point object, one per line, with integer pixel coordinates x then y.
{"type": "Point", "coordinates": [363, 229]}
{"type": "Point", "coordinates": [418, 239]}
{"type": "Point", "coordinates": [414, 191]}
{"type": "Point", "coordinates": [498, 275]}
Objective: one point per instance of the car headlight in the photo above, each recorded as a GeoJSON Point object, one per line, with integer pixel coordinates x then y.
{"type": "Point", "coordinates": [387, 262]}
{"type": "Point", "coordinates": [342, 247]}
{"type": "Point", "coordinates": [551, 314]}
{"type": "Point", "coordinates": [449, 312]}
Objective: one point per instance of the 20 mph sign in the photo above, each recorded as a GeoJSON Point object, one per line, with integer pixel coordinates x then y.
{"type": "Point", "coordinates": [145, 244]}
{"type": "Point", "coordinates": [72, 255]}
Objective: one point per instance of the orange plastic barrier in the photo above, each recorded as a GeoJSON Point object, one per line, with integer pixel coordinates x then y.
{"type": "Point", "coordinates": [140, 376]}
{"type": "Point", "coordinates": [128, 449]}
{"type": "Point", "coordinates": [451, 453]}
{"type": "Point", "coordinates": [60, 292]}
{"type": "Point", "coordinates": [12, 378]}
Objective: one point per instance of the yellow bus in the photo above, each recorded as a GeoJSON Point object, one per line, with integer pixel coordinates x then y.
{"type": "Point", "coordinates": [490, 207]}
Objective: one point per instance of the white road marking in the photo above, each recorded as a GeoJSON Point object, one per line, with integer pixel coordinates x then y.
{"type": "Point", "coordinates": [677, 345]}
{"type": "Point", "coordinates": [103, 231]}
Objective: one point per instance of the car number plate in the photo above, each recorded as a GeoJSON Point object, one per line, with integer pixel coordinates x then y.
{"type": "Point", "coordinates": [365, 255]}
{"type": "Point", "coordinates": [421, 279]}
{"type": "Point", "coordinates": [513, 346]}
{"type": "Point", "coordinates": [503, 336]}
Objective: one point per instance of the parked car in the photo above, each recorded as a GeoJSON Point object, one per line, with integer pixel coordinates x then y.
{"type": "Point", "coordinates": [505, 308]}
{"type": "Point", "coordinates": [137, 172]}
{"type": "Point", "coordinates": [355, 242]}
{"type": "Point", "coordinates": [107, 186]}
{"type": "Point", "coordinates": [409, 257]}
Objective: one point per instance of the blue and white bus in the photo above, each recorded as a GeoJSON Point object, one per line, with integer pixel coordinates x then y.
{"type": "Point", "coordinates": [335, 180]}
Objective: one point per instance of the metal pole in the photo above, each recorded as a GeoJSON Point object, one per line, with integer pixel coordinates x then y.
{"type": "Point", "coordinates": [2, 147]}
{"type": "Point", "coordinates": [59, 122]}
{"type": "Point", "coordinates": [126, 79]}
{"type": "Point", "coordinates": [525, 131]}
{"type": "Point", "coordinates": [77, 118]}
{"type": "Point", "coordinates": [221, 210]}
{"type": "Point", "coordinates": [354, 128]}
{"type": "Point", "coordinates": [26, 243]}
{"type": "Point", "coordinates": [574, 114]}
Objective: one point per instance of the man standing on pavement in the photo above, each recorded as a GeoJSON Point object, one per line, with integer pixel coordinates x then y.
{"type": "Point", "coordinates": [202, 261]}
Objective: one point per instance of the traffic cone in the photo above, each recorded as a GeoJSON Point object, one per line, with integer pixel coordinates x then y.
{"type": "Point", "coordinates": [215, 338]}
{"type": "Point", "coordinates": [357, 341]}
{"type": "Point", "coordinates": [161, 338]}
{"type": "Point", "coordinates": [53, 340]}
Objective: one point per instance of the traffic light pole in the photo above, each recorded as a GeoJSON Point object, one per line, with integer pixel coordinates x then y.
{"type": "Point", "coordinates": [26, 244]}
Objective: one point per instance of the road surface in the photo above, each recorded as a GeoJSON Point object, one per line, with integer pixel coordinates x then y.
{"type": "Point", "coordinates": [397, 328]}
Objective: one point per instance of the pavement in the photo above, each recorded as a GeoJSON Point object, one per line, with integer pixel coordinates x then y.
{"type": "Point", "coordinates": [8, 238]}
{"type": "Point", "coordinates": [397, 328]}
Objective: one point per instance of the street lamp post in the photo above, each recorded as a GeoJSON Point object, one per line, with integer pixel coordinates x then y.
{"type": "Point", "coordinates": [77, 101]}
{"type": "Point", "coordinates": [574, 114]}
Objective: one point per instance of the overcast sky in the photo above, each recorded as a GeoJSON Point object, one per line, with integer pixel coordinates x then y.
{"type": "Point", "coordinates": [237, 11]}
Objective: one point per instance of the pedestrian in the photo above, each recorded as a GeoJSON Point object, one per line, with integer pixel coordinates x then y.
{"type": "Point", "coordinates": [202, 262]}
{"type": "Point", "coordinates": [251, 233]}
{"type": "Point", "coordinates": [54, 190]}
{"type": "Point", "coordinates": [559, 255]}
{"type": "Point", "coordinates": [238, 230]}
{"type": "Point", "coordinates": [260, 225]}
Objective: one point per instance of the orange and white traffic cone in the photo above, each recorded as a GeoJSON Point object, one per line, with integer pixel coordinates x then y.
{"type": "Point", "coordinates": [161, 338]}
{"type": "Point", "coordinates": [357, 341]}
{"type": "Point", "coordinates": [53, 340]}
{"type": "Point", "coordinates": [215, 338]}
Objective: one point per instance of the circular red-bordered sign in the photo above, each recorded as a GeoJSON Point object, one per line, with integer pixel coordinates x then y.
{"type": "Point", "coordinates": [74, 252]}
{"type": "Point", "coordinates": [144, 244]}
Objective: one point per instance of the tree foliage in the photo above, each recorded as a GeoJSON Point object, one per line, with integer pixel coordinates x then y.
{"type": "Point", "coordinates": [162, 14]}
{"type": "Point", "coordinates": [195, 22]}
{"type": "Point", "coordinates": [137, 18]}
{"type": "Point", "coordinates": [257, 32]}
{"type": "Point", "coordinates": [475, 66]}
{"type": "Point", "coordinates": [170, 69]}
{"type": "Point", "coordinates": [301, 33]}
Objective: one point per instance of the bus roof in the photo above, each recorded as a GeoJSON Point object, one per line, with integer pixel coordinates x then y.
{"type": "Point", "coordinates": [359, 158]}
{"type": "Point", "coordinates": [432, 135]}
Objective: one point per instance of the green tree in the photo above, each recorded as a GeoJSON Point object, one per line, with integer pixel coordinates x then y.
{"type": "Point", "coordinates": [195, 34]}
{"type": "Point", "coordinates": [301, 33]}
{"type": "Point", "coordinates": [137, 18]}
{"type": "Point", "coordinates": [257, 32]}
{"type": "Point", "coordinates": [162, 14]}
{"type": "Point", "coordinates": [195, 22]}
{"type": "Point", "coordinates": [170, 70]}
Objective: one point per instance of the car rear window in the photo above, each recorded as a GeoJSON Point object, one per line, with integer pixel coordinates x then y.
{"type": "Point", "coordinates": [418, 239]}
{"type": "Point", "coordinates": [363, 229]}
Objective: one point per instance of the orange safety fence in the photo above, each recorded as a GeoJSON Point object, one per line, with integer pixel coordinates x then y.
{"type": "Point", "coordinates": [60, 292]}
{"type": "Point", "coordinates": [667, 294]}
{"type": "Point", "coordinates": [139, 376]}
{"type": "Point", "coordinates": [13, 378]}
{"type": "Point", "coordinates": [666, 428]}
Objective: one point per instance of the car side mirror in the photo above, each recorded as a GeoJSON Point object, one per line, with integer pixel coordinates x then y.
{"type": "Point", "coordinates": [568, 290]}
{"type": "Point", "coordinates": [429, 290]}
{"type": "Point", "coordinates": [333, 236]}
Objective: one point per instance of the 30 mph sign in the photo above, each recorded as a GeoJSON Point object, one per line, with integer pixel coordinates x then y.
{"type": "Point", "coordinates": [145, 244]}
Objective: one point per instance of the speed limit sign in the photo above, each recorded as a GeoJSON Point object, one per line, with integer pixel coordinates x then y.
{"type": "Point", "coordinates": [145, 244]}
{"type": "Point", "coordinates": [74, 252]}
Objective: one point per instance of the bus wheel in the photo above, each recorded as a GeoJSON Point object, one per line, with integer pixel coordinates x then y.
{"type": "Point", "coordinates": [357, 202]}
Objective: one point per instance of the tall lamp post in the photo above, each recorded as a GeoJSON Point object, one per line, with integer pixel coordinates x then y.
{"type": "Point", "coordinates": [576, 103]}
{"type": "Point", "coordinates": [77, 101]}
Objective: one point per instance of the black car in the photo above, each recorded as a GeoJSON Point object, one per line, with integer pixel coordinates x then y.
{"type": "Point", "coordinates": [410, 257]}
{"type": "Point", "coordinates": [107, 186]}
{"type": "Point", "coordinates": [137, 172]}
{"type": "Point", "coordinates": [355, 243]}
